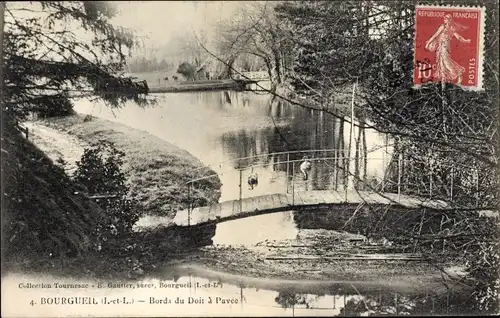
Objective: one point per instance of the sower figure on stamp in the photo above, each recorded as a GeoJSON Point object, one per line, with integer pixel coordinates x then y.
{"type": "Point", "coordinates": [447, 69]}
{"type": "Point", "coordinates": [305, 166]}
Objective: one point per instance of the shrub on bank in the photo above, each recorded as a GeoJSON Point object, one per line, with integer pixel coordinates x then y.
{"type": "Point", "coordinates": [156, 170]}
{"type": "Point", "coordinates": [100, 171]}
{"type": "Point", "coordinates": [44, 214]}
{"type": "Point", "coordinates": [50, 224]}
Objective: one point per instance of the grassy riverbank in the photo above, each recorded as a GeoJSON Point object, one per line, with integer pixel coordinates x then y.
{"type": "Point", "coordinates": [157, 171]}
{"type": "Point", "coordinates": [59, 238]}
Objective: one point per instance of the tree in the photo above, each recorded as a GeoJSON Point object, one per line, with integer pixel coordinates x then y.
{"type": "Point", "coordinates": [47, 63]}
{"type": "Point", "coordinates": [256, 31]}
{"type": "Point", "coordinates": [187, 70]}
{"type": "Point", "coordinates": [337, 45]}
{"type": "Point", "coordinates": [44, 213]}
{"type": "Point", "coordinates": [164, 65]}
{"type": "Point", "coordinates": [384, 73]}
{"type": "Point", "coordinates": [288, 299]}
{"type": "Point", "coordinates": [104, 176]}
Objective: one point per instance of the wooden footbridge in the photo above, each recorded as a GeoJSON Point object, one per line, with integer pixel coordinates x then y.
{"type": "Point", "coordinates": [435, 191]}
{"type": "Point", "coordinates": [278, 202]}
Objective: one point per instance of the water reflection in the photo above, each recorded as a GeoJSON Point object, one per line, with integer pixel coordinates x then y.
{"type": "Point", "coordinates": [219, 127]}
{"type": "Point", "coordinates": [175, 292]}
{"type": "Point", "coordinates": [281, 297]}
{"type": "Point", "coordinates": [253, 230]}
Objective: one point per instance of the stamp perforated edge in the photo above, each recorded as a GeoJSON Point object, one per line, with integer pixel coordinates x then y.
{"type": "Point", "coordinates": [482, 22]}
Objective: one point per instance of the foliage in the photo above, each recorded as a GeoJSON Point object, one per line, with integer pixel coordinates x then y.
{"type": "Point", "coordinates": [143, 64]}
{"type": "Point", "coordinates": [384, 70]}
{"type": "Point", "coordinates": [324, 35]}
{"type": "Point", "coordinates": [189, 46]}
{"type": "Point", "coordinates": [53, 106]}
{"type": "Point", "coordinates": [103, 176]}
{"type": "Point", "coordinates": [483, 263]}
{"type": "Point", "coordinates": [47, 63]}
{"type": "Point", "coordinates": [255, 34]}
{"type": "Point", "coordinates": [44, 214]}
{"type": "Point", "coordinates": [289, 299]}
{"type": "Point", "coordinates": [371, 43]}
{"type": "Point", "coordinates": [386, 303]}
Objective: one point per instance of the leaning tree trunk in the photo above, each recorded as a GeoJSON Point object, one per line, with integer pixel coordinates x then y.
{"type": "Point", "coordinates": [2, 13]}
{"type": "Point", "coordinates": [2, 106]}
{"type": "Point", "coordinates": [277, 66]}
{"type": "Point", "coordinates": [228, 72]}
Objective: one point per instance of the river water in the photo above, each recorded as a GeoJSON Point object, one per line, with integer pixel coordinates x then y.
{"type": "Point", "coordinates": [193, 291]}
{"type": "Point", "coordinates": [220, 127]}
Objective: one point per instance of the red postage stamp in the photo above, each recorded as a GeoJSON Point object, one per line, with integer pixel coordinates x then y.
{"type": "Point", "coordinates": [449, 46]}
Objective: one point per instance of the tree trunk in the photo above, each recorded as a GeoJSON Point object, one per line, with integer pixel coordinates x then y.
{"type": "Point", "coordinates": [2, 106]}
{"type": "Point", "coordinates": [277, 67]}
{"type": "Point", "coordinates": [227, 70]}
{"type": "Point", "coordinates": [2, 14]}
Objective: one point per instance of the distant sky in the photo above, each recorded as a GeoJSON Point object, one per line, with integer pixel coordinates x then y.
{"type": "Point", "coordinates": [163, 20]}
{"type": "Point", "coordinates": [157, 23]}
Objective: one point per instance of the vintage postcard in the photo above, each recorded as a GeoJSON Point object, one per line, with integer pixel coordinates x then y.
{"type": "Point", "coordinates": [249, 158]}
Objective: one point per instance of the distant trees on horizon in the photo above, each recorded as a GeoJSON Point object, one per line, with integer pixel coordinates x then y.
{"type": "Point", "coordinates": [151, 64]}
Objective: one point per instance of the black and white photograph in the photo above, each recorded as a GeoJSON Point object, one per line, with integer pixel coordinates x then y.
{"type": "Point", "coordinates": [250, 158]}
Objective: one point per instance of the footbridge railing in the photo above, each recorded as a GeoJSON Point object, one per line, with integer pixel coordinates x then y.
{"type": "Point", "coordinates": [338, 170]}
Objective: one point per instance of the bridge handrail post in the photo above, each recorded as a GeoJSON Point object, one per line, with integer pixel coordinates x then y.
{"type": "Point", "coordinates": [452, 174]}
{"type": "Point", "coordinates": [400, 158]}
{"type": "Point", "coordinates": [287, 170]}
{"type": "Point", "coordinates": [293, 183]}
{"type": "Point", "coordinates": [335, 168]}
{"type": "Point", "coordinates": [396, 301]}
{"type": "Point", "coordinates": [345, 305]}
{"type": "Point", "coordinates": [384, 159]}
{"type": "Point", "coordinates": [241, 188]}
{"type": "Point", "coordinates": [430, 178]}
{"type": "Point", "coordinates": [477, 186]}
{"type": "Point", "coordinates": [347, 172]}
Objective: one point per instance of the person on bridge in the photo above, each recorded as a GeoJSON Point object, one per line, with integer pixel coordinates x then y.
{"type": "Point", "coordinates": [253, 180]}
{"type": "Point", "coordinates": [305, 166]}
